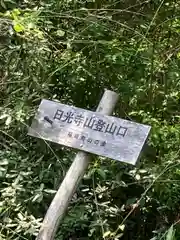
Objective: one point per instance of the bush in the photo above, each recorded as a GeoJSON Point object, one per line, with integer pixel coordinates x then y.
{"type": "Point", "coordinates": [71, 51]}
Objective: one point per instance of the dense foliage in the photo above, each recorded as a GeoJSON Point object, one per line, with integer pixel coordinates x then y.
{"type": "Point", "coordinates": [70, 50]}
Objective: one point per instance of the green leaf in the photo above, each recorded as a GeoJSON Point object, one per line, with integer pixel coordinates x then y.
{"type": "Point", "coordinates": [106, 234]}
{"type": "Point", "coordinates": [20, 216]}
{"type": "Point", "coordinates": [2, 169]}
{"type": "Point", "coordinates": [178, 55]}
{"type": "Point", "coordinates": [3, 4]}
{"type": "Point", "coordinates": [16, 11]}
{"type": "Point", "coordinates": [50, 191]}
{"type": "Point", "coordinates": [8, 120]}
{"type": "Point", "coordinates": [101, 173]}
{"type": "Point", "coordinates": [170, 234]}
{"type": "Point", "coordinates": [120, 235]}
{"type": "Point", "coordinates": [60, 33]}
{"type": "Point", "coordinates": [18, 27]}
{"type": "Point", "coordinates": [37, 198]}
{"type": "Point", "coordinates": [122, 227]}
{"type": "Point", "coordinates": [4, 162]}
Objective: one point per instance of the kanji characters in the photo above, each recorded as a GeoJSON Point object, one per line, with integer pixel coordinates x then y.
{"type": "Point", "coordinates": [69, 134]}
{"type": "Point", "coordinates": [121, 131]}
{"type": "Point", "coordinates": [111, 128]}
{"type": "Point", "coordinates": [76, 136]}
{"type": "Point", "coordinates": [86, 139]}
{"type": "Point", "coordinates": [99, 125]}
{"type": "Point", "coordinates": [89, 122]}
{"type": "Point", "coordinates": [96, 142]}
{"type": "Point", "coordinates": [83, 138]}
{"type": "Point", "coordinates": [68, 117]}
{"type": "Point", "coordinates": [103, 143]}
{"type": "Point", "coordinates": [79, 119]}
{"type": "Point", "coordinates": [89, 140]}
{"type": "Point", "coordinates": [58, 115]}
{"type": "Point", "coordinates": [94, 123]}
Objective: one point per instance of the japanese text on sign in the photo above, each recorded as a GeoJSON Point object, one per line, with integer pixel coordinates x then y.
{"type": "Point", "coordinates": [90, 122]}
{"type": "Point", "coordinates": [83, 138]}
{"type": "Point", "coordinates": [89, 131]}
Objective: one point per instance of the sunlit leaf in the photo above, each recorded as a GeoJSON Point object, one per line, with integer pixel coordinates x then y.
{"type": "Point", "coordinates": [18, 27]}
{"type": "Point", "coordinates": [106, 234]}
{"type": "Point", "coordinates": [171, 234]}
{"type": "Point", "coordinates": [60, 33]}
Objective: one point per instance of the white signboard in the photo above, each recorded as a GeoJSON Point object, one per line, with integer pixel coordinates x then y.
{"type": "Point", "coordinates": [89, 131]}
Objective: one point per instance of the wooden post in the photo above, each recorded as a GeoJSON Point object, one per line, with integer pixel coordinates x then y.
{"type": "Point", "coordinates": [75, 173]}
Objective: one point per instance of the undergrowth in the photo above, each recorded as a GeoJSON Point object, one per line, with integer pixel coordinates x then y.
{"type": "Point", "coordinates": [71, 51]}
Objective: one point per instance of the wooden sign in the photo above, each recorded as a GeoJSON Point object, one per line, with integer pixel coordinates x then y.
{"type": "Point", "coordinates": [89, 131]}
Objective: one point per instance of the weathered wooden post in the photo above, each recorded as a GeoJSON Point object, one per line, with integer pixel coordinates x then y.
{"type": "Point", "coordinates": [88, 131]}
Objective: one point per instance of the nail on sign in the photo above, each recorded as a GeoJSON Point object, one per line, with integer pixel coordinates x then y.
{"type": "Point", "coordinates": [89, 131]}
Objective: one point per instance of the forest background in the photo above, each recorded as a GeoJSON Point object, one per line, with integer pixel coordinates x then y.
{"type": "Point", "coordinates": [71, 50]}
